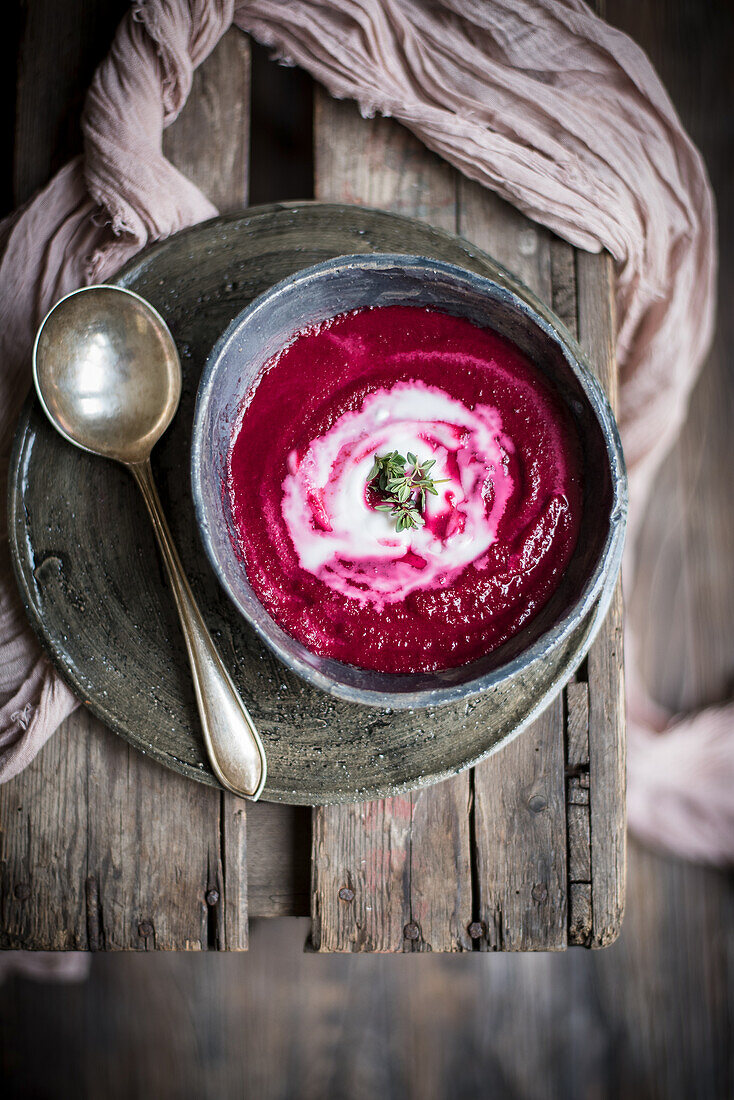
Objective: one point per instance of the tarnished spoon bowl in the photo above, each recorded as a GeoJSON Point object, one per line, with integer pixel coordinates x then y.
{"type": "Point", "coordinates": [109, 379]}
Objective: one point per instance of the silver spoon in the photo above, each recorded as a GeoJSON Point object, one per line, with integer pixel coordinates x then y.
{"type": "Point", "coordinates": [109, 379]}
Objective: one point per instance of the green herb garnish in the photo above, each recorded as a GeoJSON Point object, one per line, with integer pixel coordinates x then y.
{"type": "Point", "coordinates": [403, 483]}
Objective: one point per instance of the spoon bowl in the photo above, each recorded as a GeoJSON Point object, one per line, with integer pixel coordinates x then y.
{"type": "Point", "coordinates": [108, 376]}
{"type": "Point", "coordinates": [107, 372]}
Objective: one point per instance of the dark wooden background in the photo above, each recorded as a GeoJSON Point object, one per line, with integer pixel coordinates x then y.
{"type": "Point", "coordinates": [649, 1017]}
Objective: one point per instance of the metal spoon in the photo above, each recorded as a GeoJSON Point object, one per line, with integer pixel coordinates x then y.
{"type": "Point", "coordinates": [109, 379]}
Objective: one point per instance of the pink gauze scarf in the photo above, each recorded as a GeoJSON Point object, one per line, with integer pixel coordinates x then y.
{"type": "Point", "coordinates": [541, 102]}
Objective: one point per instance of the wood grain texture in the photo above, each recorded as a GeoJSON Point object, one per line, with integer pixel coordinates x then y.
{"type": "Point", "coordinates": [576, 695]}
{"type": "Point", "coordinates": [210, 140]}
{"type": "Point", "coordinates": [115, 852]}
{"type": "Point", "coordinates": [151, 849]}
{"type": "Point", "coordinates": [43, 863]}
{"type": "Point", "coordinates": [607, 755]}
{"type": "Point", "coordinates": [577, 725]}
{"type": "Point", "coordinates": [521, 840]}
{"type": "Point", "coordinates": [393, 875]}
{"type": "Point", "coordinates": [361, 894]}
{"type": "Point", "coordinates": [578, 813]}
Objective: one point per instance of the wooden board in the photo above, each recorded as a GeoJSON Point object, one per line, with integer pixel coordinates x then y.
{"type": "Point", "coordinates": [75, 911]}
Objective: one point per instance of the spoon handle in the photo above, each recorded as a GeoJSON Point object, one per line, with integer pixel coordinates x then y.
{"type": "Point", "coordinates": [235, 750]}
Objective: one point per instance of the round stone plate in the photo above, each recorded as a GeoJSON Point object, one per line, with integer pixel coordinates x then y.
{"type": "Point", "coordinates": [94, 588]}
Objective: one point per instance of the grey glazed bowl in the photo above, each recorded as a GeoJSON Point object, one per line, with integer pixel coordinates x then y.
{"type": "Point", "coordinates": [350, 282]}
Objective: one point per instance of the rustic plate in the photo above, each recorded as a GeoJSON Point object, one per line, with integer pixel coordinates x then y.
{"type": "Point", "coordinates": [95, 592]}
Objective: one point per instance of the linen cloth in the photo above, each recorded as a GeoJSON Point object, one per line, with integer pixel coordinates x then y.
{"type": "Point", "coordinates": [539, 100]}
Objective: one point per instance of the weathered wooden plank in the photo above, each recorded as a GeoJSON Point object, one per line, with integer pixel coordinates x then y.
{"type": "Point", "coordinates": [43, 848]}
{"type": "Point", "coordinates": [519, 809]}
{"type": "Point", "coordinates": [392, 875]}
{"type": "Point", "coordinates": [361, 876]}
{"type": "Point", "coordinates": [579, 913]}
{"type": "Point", "coordinates": [115, 851]}
{"type": "Point", "coordinates": [563, 283]}
{"type": "Point", "coordinates": [587, 281]}
{"type": "Point", "coordinates": [576, 694]}
{"type": "Point", "coordinates": [577, 725]}
{"type": "Point", "coordinates": [522, 246]}
{"type": "Point", "coordinates": [230, 904]}
{"type": "Point", "coordinates": [607, 755]}
{"type": "Point", "coordinates": [579, 851]}
{"type": "Point", "coordinates": [578, 790]}
{"type": "Point", "coordinates": [441, 894]}
{"type": "Point", "coordinates": [375, 162]}
{"type": "Point", "coordinates": [151, 849]}
{"type": "Point", "coordinates": [596, 327]}
{"type": "Point", "coordinates": [578, 815]}
{"type": "Point", "coordinates": [521, 840]}
{"type": "Point", "coordinates": [92, 857]}
{"type": "Point", "coordinates": [210, 140]}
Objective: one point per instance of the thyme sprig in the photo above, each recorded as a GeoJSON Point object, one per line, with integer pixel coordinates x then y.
{"type": "Point", "coordinates": [403, 483]}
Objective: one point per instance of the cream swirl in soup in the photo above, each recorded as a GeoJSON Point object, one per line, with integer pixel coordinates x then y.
{"type": "Point", "coordinates": [331, 515]}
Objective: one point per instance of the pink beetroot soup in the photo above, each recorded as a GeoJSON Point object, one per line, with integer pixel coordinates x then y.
{"type": "Point", "coordinates": [328, 565]}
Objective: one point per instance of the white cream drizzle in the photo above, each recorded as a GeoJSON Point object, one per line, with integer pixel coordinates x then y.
{"type": "Point", "coordinates": [354, 549]}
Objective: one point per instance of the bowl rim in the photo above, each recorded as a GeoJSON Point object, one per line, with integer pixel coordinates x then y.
{"type": "Point", "coordinates": [599, 586]}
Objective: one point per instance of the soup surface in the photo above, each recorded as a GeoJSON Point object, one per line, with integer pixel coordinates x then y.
{"type": "Point", "coordinates": [321, 535]}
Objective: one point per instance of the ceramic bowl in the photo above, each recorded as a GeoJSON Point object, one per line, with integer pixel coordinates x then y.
{"type": "Point", "coordinates": [350, 282]}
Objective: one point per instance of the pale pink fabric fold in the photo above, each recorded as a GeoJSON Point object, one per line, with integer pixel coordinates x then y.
{"type": "Point", "coordinates": [539, 100]}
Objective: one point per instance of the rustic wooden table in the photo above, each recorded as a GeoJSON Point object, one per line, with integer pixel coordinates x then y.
{"type": "Point", "coordinates": [104, 850]}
